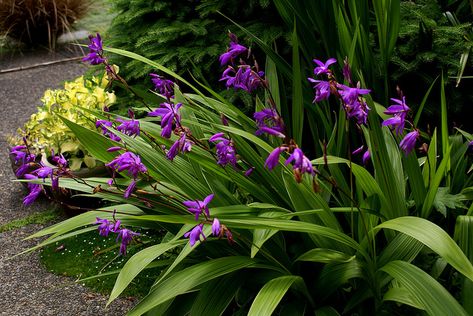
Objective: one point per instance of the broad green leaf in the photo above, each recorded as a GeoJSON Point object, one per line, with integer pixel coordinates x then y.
{"type": "Point", "coordinates": [95, 143]}
{"type": "Point", "coordinates": [186, 251]}
{"type": "Point", "coordinates": [433, 237]}
{"type": "Point", "coordinates": [122, 211]}
{"type": "Point", "coordinates": [260, 236]}
{"type": "Point", "coordinates": [402, 247]}
{"type": "Point", "coordinates": [401, 295]}
{"type": "Point", "coordinates": [295, 226]}
{"type": "Point", "coordinates": [271, 294]}
{"type": "Point", "coordinates": [137, 263]}
{"type": "Point", "coordinates": [325, 256]}
{"type": "Point", "coordinates": [326, 311]}
{"type": "Point", "coordinates": [463, 235]}
{"type": "Point", "coordinates": [335, 275]}
{"type": "Point", "coordinates": [185, 280]}
{"type": "Point", "coordinates": [214, 296]}
{"type": "Point", "coordinates": [423, 289]}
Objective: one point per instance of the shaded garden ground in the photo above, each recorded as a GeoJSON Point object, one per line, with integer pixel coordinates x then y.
{"type": "Point", "coordinates": [27, 289]}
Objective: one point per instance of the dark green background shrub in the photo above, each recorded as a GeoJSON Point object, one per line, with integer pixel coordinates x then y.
{"type": "Point", "coordinates": [428, 44]}
{"type": "Point", "coordinates": [181, 34]}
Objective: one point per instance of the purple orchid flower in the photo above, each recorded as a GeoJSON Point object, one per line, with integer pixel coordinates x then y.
{"type": "Point", "coordinates": [194, 234]}
{"type": "Point", "coordinates": [22, 170]}
{"type": "Point", "coordinates": [249, 171]}
{"type": "Point", "coordinates": [225, 150]}
{"type": "Point", "coordinates": [350, 95]}
{"type": "Point", "coordinates": [21, 155]}
{"type": "Point", "coordinates": [244, 78]}
{"type": "Point", "coordinates": [269, 121]}
{"type": "Point", "coordinates": [60, 160]}
{"type": "Point", "coordinates": [129, 190]}
{"type": "Point", "coordinates": [114, 149]}
{"type": "Point", "coordinates": [105, 226]}
{"type": "Point", "coordinates": [366, 157]}
{"type": "Point", "coordinates": [168, 112]}
{"type": "Point", "coordinates": [322, 68]}
{"type": "Point", "coordinates": [408, 143]}
{"type": "Point", "coordinates": [198, 207]}
{"type": "Point", "coordinates": [163, 86]}
{"type": "Point", "coordinates": [358, 110]}
{"type": "Point", "coordinates": [44, 172]}
{"type": "Point", "coordinates": [216, 228]}
{"type": "Point", "coordinates": [130, 162]}
{"type": "Point", "coordinates": [233, 51]}
{"type": "Point", "coordinates": [96, 50]}
{"type": "Point", "coordinates": [181, 145]}
{"type": "Point", "coordinates": [322, 89]}
{"type": "Point", "coordinates": [399, 110]}
{"type": "Point", "coordinates": [34, 190]}
{"type": "Point", "coordinates": [273, 159]}
{"type": "Point", "coordinates": [129, 127]}
{"type": "Point", "coordinates": [300, 162]}
{"type": "Point", "coordinates": [103, 124]}
{"type": "Point", "coordinates": [126, 237]}
{"type": "Point", "coordinates": [346, 71]}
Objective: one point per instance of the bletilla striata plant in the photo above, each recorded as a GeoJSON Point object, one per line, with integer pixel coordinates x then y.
{"type": "Point", "coordinates": [254, 220]}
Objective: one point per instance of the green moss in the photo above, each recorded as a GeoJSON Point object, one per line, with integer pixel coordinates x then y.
{"type": "Point", "coordinates": [35, 218]}
{"type": "Point", "coordinates": [90, 254]}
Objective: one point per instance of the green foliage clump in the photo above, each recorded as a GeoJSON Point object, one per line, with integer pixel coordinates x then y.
{"type": "Point", "coordinates": [46, 131]}
{"type": "Point", "coordinates": [182, 34]}
{"type": "Point", "coordinates": [332, 234]}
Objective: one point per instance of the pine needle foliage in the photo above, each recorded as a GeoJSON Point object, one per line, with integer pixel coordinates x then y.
{"type": "Point", "coordinates": [427, 39]}
{"type": "Point", "coordinates": [183, 34]}
{"type": "Point", "coordinates": [428, 45]}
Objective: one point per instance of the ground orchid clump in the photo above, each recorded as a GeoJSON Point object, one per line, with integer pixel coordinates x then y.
{"type": "Point", "coordinates": [309, 199]}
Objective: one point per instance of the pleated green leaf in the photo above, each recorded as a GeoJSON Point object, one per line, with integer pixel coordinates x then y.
{"type": "Point", "coordinates": [463, 236]}
{"type": "Point", "coordinates": [401, 295]}
{"type": "Point", "coordinates": [424, 289]}
{"type": "Point", "coordinates": [433, 237]}
{"type": "Point", "coordinates": [95, 143]}
{"type": "Point", "coordinates": [185, 280]}
{"type": "Point", "coordinates": [271, 294]}
{"type": "Point", "coordinates": [137, 263]}
{"type": "Point", "coordinates": [216, 295]}
{"type": "Point", "coordinates": [325, 256]}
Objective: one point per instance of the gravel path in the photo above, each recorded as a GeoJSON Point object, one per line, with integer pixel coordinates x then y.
{"type": "Point", "coordinates": [26, 288]}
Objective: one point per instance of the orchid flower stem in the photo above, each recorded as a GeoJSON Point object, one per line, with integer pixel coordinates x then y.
{"type": "Point", "coordinates": [125, 84]}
